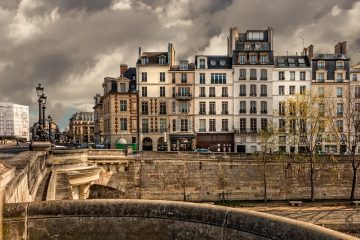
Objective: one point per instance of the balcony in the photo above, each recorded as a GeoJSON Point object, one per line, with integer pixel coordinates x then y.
{"type": "Point", "coordinates": [320, 80]}
{"type": "Point", "coordinates": [339, 80]}
{"type": "Point", "coordinates": [212, 113]}
{"type": "Point", "coordinates": [340, 114]}
{"type": "Point", "coordinates": [212, 130]}
{"type": "Point", "coordinates": [252, 110]}
{"type": "Point", "coordinates": [263, 78]}
{"type": "Point", "coordinates": [263, 111]}
{"type": "Point", "coordinates": [212, 95]}
{"type": "Point", "coordinates": [145, 113]}
{"type": "Point", "coordinates": [242, 78]}
{"type": "Point", "coordinates": [224, 112]}
{"type": "Point", "coordinates": [224, 129]}
{"type": "Point", "coordinates": [225, 95]}
{"type": "Point", "coordinates": [263, 95]}
{"type": "Point", "coordinates": [242, 95]}
{"type": "Point", "coordinates": [242, 111]}
{"type": "Point", "coordinates": [202, 95]}
{"type": "Point", "coordinates": [253, 78]}
{"type": "Point", "coordinates": [253, 94]}
{"type": "Point", "coordinates": [182, 96]}
{"type": "Point", "coordinates": [202, 113]}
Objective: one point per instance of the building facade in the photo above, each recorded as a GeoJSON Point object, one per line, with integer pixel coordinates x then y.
{"type": "Point", "coordinates": [253, 64]}
{"type": "Point", "coordinates": [120, 110]}
{"type": "Point", "coordinates": [14, 121]}
{"type": "Point", "coordinates": [213, 103]}
{"type": "Point", "coordinates": [81, 128]}
{"type": "Point", "coordinates": [98, 120]}
{"type": "Point", "coordinates": [181, 109]}
{"type": "Point", "coordinates": [154, 98]}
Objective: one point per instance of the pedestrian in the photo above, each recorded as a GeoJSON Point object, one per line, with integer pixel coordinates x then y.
{"type": "Point", "coordinates": [17, 143]}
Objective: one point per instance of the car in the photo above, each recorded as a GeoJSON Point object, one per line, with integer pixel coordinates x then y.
{"type": "Point", "coordinates": [202, 150]}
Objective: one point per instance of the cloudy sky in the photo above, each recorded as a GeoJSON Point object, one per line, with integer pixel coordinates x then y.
{"type": "Point", "coordinates": [71, 45]}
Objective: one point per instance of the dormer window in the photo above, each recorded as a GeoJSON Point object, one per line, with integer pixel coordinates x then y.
{"type": "Point", "coordinates": [321, 65]}
{"type": "Point", "coordinates": [122, 88]}
{"type": "Point", "coordinates": [255, 36]}
{"type": "Point", "coordinates": [242, 59]}
{"type": "Point", "coordinates": [213, 62]}
{"type": "Point", "coordinates": [162, 60]}
{"type": "Point", "coordinates": [145, 60]}
{"type": "Point", "coordinates": [183, 65]}
{"type": "Point", "coordinates": [247, 46]}
{"type": "Point", "coordinates": [339, 65]}
{"type": "Point", "coordinates": [258, 46]}
{"type": "Point", "coordinates": [222, 62]}
{"type": "Point", "coordinates": [202, 63]}
{"type": "Point", "coordinates": [252, 59]}
{"type": "Point", "coordinates": [263, 59]}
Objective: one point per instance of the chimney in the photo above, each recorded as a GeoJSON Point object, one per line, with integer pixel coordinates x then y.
{"type": "Point", "coordinates": [309, 51]}
{"type": "Point", "coordinates": [140, 52]}
{"type": "Point", "coordinates": [343, 47]}
{"type": "Point", "coordinates": [270, 38]}
{"type": "Point", "coordinates": [171, 54]}
{"type": "Point", "coordinates": [123, 69]}
{"type": "Point", "coordinates": [340, 48]}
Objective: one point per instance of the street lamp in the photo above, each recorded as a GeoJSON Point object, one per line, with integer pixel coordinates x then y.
{"type": "Point", "coordinates": [50, 121]}
{"type": "Point", "coordinates": [39, 92]}
{"type": "Point", "coordinates": [43, 98]}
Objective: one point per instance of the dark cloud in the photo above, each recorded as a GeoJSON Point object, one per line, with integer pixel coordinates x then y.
{"type": "Point", "coordinates": [70, 46]}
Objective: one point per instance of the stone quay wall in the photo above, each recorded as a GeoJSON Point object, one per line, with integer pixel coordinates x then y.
{"type": "Point", "coordinates": [216, 177]}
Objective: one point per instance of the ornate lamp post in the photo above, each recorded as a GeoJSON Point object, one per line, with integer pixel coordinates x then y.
{"type": "Point", "coordinates": [44, 98]}
{"type": "Point", "coordinates": [39, 92]}
{"type": "Point", "coordinates": [50, 121]}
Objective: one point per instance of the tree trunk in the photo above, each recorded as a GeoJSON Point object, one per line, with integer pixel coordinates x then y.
{"type": "Point", "coordinates": [264, 179]}
{"type": "Point", "coordinates": [312, 191]}
{"type": "Point", "coordinates": [354, 179]}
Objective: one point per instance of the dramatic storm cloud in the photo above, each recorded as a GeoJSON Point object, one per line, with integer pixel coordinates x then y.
{"type": "Point", "coordinates": [70, 46]}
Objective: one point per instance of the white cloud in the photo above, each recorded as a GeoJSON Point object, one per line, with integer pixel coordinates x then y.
{"type": "Point", "coordinates": [121, 5]}
{"type": "Point", "coordinates": [217, 46]}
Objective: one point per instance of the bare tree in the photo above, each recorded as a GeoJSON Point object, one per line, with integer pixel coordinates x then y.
{"type": "Point", "coordinates": [344, 115]}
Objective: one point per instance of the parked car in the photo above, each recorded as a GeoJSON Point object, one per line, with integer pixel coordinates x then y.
{"type": "Point", "coordinates": [202, 150]}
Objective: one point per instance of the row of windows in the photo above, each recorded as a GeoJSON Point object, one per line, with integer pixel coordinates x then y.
{"type": "Point", "coordinates": [212, 108]}
{"type": "Point", "coordinates": [145, 126]}
{"type": "Point", "coordinates": [145, 108]}
{"type": "Point", "coordinates": [212, 125]}
{"type": "Point", "coordinates": [320, 77]}
{"type": "Point", "coordinates": [224, 92]}
{"type": "Point", "coordinates": [292, 90]}
{"type": "Point", "coordinates": [253, 58]}
{"type": "Point", "coordinates": [253, 107]}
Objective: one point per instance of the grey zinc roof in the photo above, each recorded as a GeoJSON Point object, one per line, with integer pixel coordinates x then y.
{"type": "Point", "coordinates": [291, 62]}
{"type": "Point", "coordinates": [153, 57]}
{"type": "Point", "coordinates": [217, 59]}
{"type": "Point", "coordinates": [330, 56]}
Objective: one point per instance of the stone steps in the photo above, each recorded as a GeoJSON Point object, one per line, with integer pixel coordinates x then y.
{"type": "Point", "coordinates": [42, 190]}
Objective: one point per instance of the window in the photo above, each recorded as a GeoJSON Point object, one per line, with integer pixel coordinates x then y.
{"type": "Point", "coordinates": [123, 106]}
{"type": "Point", "coordinates": [218, 78]}
{"type": "Point", "coordinates": [173, 106]}
{"type": "Point", "coordinates": [183, 107]}
{"type": "Point", "coordinates": [224, 125]}
{"type": "Point", "coordinates": [183, 78]}
{"type": "Point", "coordinates": [253, 74]}
{"type": "Point", "coordinates": [184, 91]}
{"type": "Point", "coordinates": [162, 77]}
{"type": "Point", "coordinates": [281, 76]}
{"type": "Point", "coordinates": [202, 108]}
{"type": "Point", "coordinates": [173, 91]}
{"type": "Point", "coordinates": [211, 91]}
{"type": "Point", "coordinates": [281, 62]}
{"type": "Point", "coordinates": [255, 36]}
{"type": "Point", "coordinates": [202, 124]}
{"type": "Point", "coordinates": [144, 76]}
{"type": "Point", "coordinates": [281, 108]}
{"type": "Point", "coordinates": [321, 107]}
{"type": "Point", "coordinates": [253, 90]}
{"type": "Point", "coordinates": [213, 62]}
{"type": "Point", "coordinates": [264, 124]}
{"type": "Point", "coordinates": [252, 59]}
{"type": "Point", "coordinates": [145, 125]}
{"type": "Point", "coordinates": [242, 107]}
{"type": "Point", "coordinates": [162, 60]}
{"type": "Point", "coordinates": [202, 92]}
{"type": "Point", "coordinates": [242, 74]}
{"type": "Point", "coordinates": [320, 77]}
{"type": "Point", "coordinates": [291, 90]}
{"type": "Point", "coordinates": [263, 92]}
{"type": "Point", "coordinates": [292, 125]}
{"type": "Point", "coordinates": [339, 77]}
{"type": "Point", "coordinates": [173, 78]}
{"type": "Point", "coordinates": [222, 62]}
{"type": "Point", "coordinates": [339, 109]}
{"type": "Point", "coordinates": [281, 90]}
{"type": "Point", "coordinates": [145, 60]}
{"type": "Point", "coordinates": [340, 125]}
{"type": "Point", "coordinates": [320, 91]}
{"type": "Point", "coordinates": [224, 92]}
{"type": "Point", "coordinates": [292, 76]}
{"type": "Point", "coordinates": [212, 109]}
{"type": "Point", "coordinates": [282, 125]}
{"type": "Point", "coordinates": [123, 124]}
{"type": "Point", "coordinates": [263, 59]}
{"type": "Point", "coordinates": [253, 125]}
{"type": "Point", "coordinates": [202, 78]}
{"type": "Point", "coordinates": [247, 46]}
{"type": "Point", "coordinates": [263, 107]}
{"type": "Point", "coordinates": [184, 126]}
{"type": "Point", "coordinates": [224, 108]}
{"type": "Point", "coordinates": [202, 63]}
{"type": "Point", "coordinates": [162, 91]}
{"type": "Point", "coordinates": [252, 106]}
{"type": "Point", "coordinates": [144, 91]}
{"type": "Point", "coordinates": [162, 108]}
{"type": "Point", "coordinates": [184, 65]}
{"type": "Point", "coordinates": [354, 77]}
{"type": "Point", "coordinates": [212, 126]}
{"type": "Point", "coordinates": [122, 88]}
{"type": "Point", "coordinates": [321, 65]}
{"type": "Point", "coordinates": [144, 108]}
{"type": "Point", "coordinates": [242, 124]}
{"type": "Point", "coordinates": [174, 125]}
{"type": "Point", "coordinates": [242, 59]}
{"type": "Point", "coordinates": [242, 90]}
{"type": "Point", "coordinates": [339, 65]}
{"type": "Point", "coordinates": [263, 74]}
{"type": "Point", "coordinates": [302, 76]}
{"type": "Point", "coordinates": [339, 92]}
{"type": "Point", "coordinates": [162, 125]}
{"type": "Point", "coordinates": [302, 89]}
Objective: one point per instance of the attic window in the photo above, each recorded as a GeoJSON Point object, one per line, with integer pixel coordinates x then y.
{"type": "Point", "coordinates": [183, 65]}
{"type": "Point", "coordinates": [162, 60]}
{"type": "Point", "coordinates": [291, 60]}
{"type": "Point", "coordinates": [301, 60]}
{"type": "Point", "coordinates": [222, 62]}
{"type": "Point", "coordinates": [145, 60]}
{"type": "Point", "coordinates": [213, 62]}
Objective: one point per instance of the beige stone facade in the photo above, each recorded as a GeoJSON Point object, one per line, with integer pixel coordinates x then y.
{"type": "Point", "coordinates": [81, 127]}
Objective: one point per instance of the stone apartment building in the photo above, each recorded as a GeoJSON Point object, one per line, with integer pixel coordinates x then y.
{"type": "Point", "coordinates": [98, 120]}
{"type": "Point", "coordinates": [181, 109]}
{"type": "Point", "coordinates": [291, 76]}
{"type": "Point", "coordinates": [155, 96]}
{"type": "Point", "coordinates": [331, 79]}
{"type": "Point", "coordinates": [213, 102]}
{"type": "Point", "coordinates": [253, 63]}
{"type": "Point", "coordinates": [120, 110]}
{"type": "Point", "coordinates": [81, 127]}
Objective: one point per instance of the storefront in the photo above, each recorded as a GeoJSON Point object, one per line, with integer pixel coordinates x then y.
{"type": "Point", "coordinates": [221, 142]}
{"type": "Point", "coordinates": [181, 142]}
